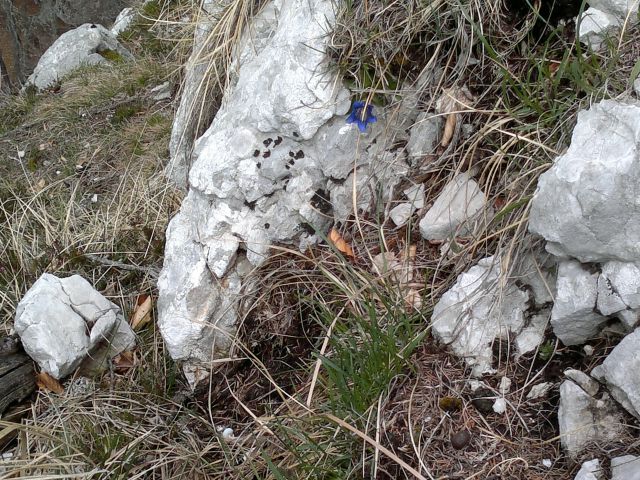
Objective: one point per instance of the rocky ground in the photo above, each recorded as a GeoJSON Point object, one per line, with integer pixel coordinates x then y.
{"type": "Point", "coordinates": [379, 241]}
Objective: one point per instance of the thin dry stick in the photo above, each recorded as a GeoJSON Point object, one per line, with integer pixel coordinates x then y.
{"type": "Point", "coordinates": [325, 344]}
{"type": "Point", "coordinates": [382, 448]}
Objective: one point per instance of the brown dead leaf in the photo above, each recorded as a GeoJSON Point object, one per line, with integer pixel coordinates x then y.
{"type": "Point", "coordinates": [449, 129]}
{"type": "Point", "coordinates": [340, 243]}
{"type": "Point", "coordinates": [142, 313]}
{"type": "Point", "coordinates": [124, 361]}
{"type": "Point", "coordinates": [46, 382]}
{"type": "Point", "coordinates": [413, 299]}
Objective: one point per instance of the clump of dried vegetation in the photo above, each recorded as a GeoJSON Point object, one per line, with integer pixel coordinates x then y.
{"type": "Point", "coordinates": [334, 373]}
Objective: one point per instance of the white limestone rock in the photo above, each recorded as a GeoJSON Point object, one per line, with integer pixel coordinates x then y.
{"type": "Point", "coordinates": [456, 210]}
{"type": "Point", "coordinates": [537, 269]}
{"type": "Point", "coordinates": [594, 25]}
{"type": "Point", "coordinates": [590, 470]}
{"type": "Point", "coordinates": [400, 214]}
{"type": "Point", "coordinates": [573, 318]}
{"type": "Point", "coordinates": [538, 391]}
{"type": "Point", "coordinates": [620, 371]}
{"type": "Point", "coordinates": [532, 334]}
{"type": "Point", "coordinates": [476, 311]}
{"type": "Point", "coordinates": [626, 467]}
{"type": "Point", "coordinates": [583, 380]}
{"type": "Point", "coordinates": [123, 21]}
{"type": "Point", "coordinates": [277, 164]}
{"type": "Point", "coordinates": [423, 136]}
{"type": "Point", "coordinates": [584, 420]}
{"type": "Point", "coordinates": [77, 47]}
{"type": "Point", "coordinates": [585, 206]}
{"type": "Point", "coordinates": [64, 323]}
{"type": "Point", "coordinates": [195, 87]}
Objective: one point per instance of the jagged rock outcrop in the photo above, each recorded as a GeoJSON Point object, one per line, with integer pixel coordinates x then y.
{"type": "Point", "coordinates": [585, 205]}
{"type": "Point", "coordinates": [277, 163]}
{"type": "Point", "coordinates": [29, 27]}
{"type": "Point", "coordinates": [88, 44]}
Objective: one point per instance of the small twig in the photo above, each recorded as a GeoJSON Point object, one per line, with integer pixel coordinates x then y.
{"type": "Point", "coordinates": [151, 271]}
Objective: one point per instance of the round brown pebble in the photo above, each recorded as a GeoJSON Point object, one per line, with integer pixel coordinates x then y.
{"type": "Point", "coordinates": [460, 439]}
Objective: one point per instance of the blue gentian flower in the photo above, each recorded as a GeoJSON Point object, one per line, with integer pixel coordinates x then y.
{"type": "Point", "coordinates": [362, 114]}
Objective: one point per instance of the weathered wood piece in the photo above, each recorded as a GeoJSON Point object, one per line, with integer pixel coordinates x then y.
{"type": "Point", "coordinates": [17, 377]}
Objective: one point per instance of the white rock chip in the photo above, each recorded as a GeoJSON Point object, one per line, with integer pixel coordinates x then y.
{"type": "Point", "coordinates": [540, 390]}
{"type": "Point", "coordinates": [476, 311]}
{"type": "Point", "coordinates": [573, 318]}
{"type": "Point", "coordinates": [500, 406]}
{"type": "Point", "coordinates": [532, 334]}
{"type": "Point", "coordinates": [584, 420]}
{"type": "Point", "coordinates": [585, 205]}
{"type": "Point", "coordinates": [583, 380]}
{"type": "Point", "coordinates": [64, 322]}
{"type": "Point", "coordinates": [123, 21]}
{"type": "Point", "coordinates": [161, 92]}
{"type": "Point", "coordinates": [590, 470]}
{"type": "Point", "coordinates": [77, 47]}
{"type": "Point", "coordinates": [400, 214]}
{"type": "Point", "coordinates": [456, 210]}
{"type": "Point", "coordinates": [537, 269]}
{"type": "Point", "coordinates": [626, 467]}
{"type": "Point", "coordinates": [423, 136]}
{"type": "Point", "coordinates": [595, 25]}
{"type": "Point", "coordinates": [621, 373]}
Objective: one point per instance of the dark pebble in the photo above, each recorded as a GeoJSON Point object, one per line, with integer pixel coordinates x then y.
{"type": "Point", "coordinates": [460, 439]}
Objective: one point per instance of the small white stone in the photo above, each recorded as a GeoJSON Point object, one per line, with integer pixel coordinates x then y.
{"type": "Point", "coordinates": [539, 390]}
{"type": "Point", "coordinates": [588, 350]}
{"type": "Point", "coordinates": [21, 154]}
{"type": "Point", "coordinates": [227, 434]}
{"type": "Point", "coordinates": [505, 385]}
{"type": "Point", "coordinates": [500, 405]}
{"type": "Point", "coordinates": [94, 198]}
{"type": "Point", "coordinates": [400, 214]}
{"type": "Point", "coordinates": [546, 463]}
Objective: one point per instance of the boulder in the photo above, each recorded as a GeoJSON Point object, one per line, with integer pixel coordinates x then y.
{"type": "Point", "coordinates": [64, 323]}
{"type": "Point", "coordinates": [29, 27]}
{"type": "Point", "coordinates": [620, 371]}
{"type": "Point", "coordinates": [460, 205]}
{"type": "Point", "coordinates": [584, 420]}
{"type": "Point", "coordinates": [476, 311]}
{"type": "Point", "coordinates": [123, 21]}
{"type": "Point", "coordinates": [88, 44]}
{"type": "Point", "coordinates": [585, 205]}
{"type": "Point", "coordinates": [277, 164]}
{"type": "Point", "coordinates": [573, 318]}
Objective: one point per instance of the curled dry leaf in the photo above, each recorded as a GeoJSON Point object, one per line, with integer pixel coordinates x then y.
{"type": "Point", "coordinates": [340, 243]}
{"type": "Point", "coordinates": [124, 361]}
{"type": "Point", "coordinates": [452, 101]}
{"type": "Point", "coordinates": [142, 313]}
{"type": "Point", "coordinates": [413, 299]}
{"type": "Point", "coordinates": [46, 382]}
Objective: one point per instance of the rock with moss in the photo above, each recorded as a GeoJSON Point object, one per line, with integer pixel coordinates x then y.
{"type": "Point", "coordinates": [89, 44]}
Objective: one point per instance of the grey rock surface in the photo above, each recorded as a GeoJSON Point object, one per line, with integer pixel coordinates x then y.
{"type": "Point", "coordinates": [77, 47]}
{"type": "Point", "coordinates": [28, 28]}
{"type": "Point", "coordinates": [456, 210]}
{"type": "Point", "coordinates": [573, 318]}
{"type": "Point", "coordinates": [189, 120]}
{"type": "Point", "coordinates": [424, 134]}
{"type": "Point", "coordinates": [585, 205]}
{"type": "Point", "coordinates": [626, 467]}
{"type": "Point", "coordinates": [476, 311]}
{"type": "Point", "coordinates": [583, 380]}
{"type": "Point", "coordinates": [123, 21]}
{"type": "Point", "coordinates": [620, 371]}
{"type": "Point", "coordinates": [590, 470]}
{"type": "Point", "coordinates": [537, 270]}
{"type": "Point", "coordinates": [595, 25]}
{"type": "Point", "coordinates": [64, 322]}
{"type": "Point", "coordinates": [584, 420]}
{"type": "Point", "coordinates": [277, 163]}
